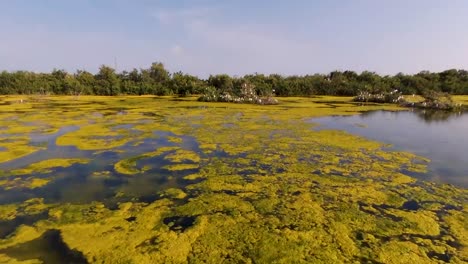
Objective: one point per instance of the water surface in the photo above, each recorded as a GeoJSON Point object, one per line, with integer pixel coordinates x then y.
{"type": "Point", "coordinates": [439, 136]}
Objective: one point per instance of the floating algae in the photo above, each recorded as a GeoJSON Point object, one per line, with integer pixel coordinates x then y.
{"type": "Point", "coordinates": [127, 166]}
{"type": "Point", "coordinates": [45, 166]}
{"type": "Point", "coordinates": [272, 191]}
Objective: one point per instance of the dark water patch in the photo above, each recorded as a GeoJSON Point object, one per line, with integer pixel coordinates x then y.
{"type": "Point", "coordinates": [48, 248]}
{"type": "Point", "coordinates": [381, 211]}
{"type": "Point", "coordinates": [115, 111]}
{"type": "Point", "coordinates": [179, 223]}
{"type": "Point", "coordinates": [445, 257]}
{"type": "Point", "coordinates": [296, 193]}
{"type": "Point", "coordinates": [454, 243]}
{"type": "Point", "coordinates": [229, 192]}
{"type": "Point", "coordinates": [411, 205]}
{"type": "Point", "coordinates": [452, 207]}
{"type": "Point", "coordinates": [441, 213]}
{"type": "Point", "coordinates": [415, 238]}
{"type": "Point", "coordinates": [123, 126]}
{"type": "Point", "coordinates": [15, 196]}
{"type": "Point", "coordinates": [148, 198]}
{"type": "Point", "coordinates": [153, 114]}
{"type": "Point", "coordinates": [108, 155]}
{"type": "Point", "coordinates": [249, 172]}
{"type": "Point", "coordinates": [442, 140]}
{"type": "Point", "coordinates": [317, 172]}
{"type": "Point", "coordinates": [149, 244]}
{"type": "Point", "coordinates": [7, 227]}
{"type": "Point", "coordinates": [131, 219]}
{"type": "Point", "coordinates": [414, 174]}
{"type": "Point", "coordinates": [115, 182]}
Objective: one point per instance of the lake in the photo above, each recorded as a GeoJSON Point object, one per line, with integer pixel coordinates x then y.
{"type": "Point", "coordinates": [439, 136]}
{"type": "Point", "coordinates": [131, 179]}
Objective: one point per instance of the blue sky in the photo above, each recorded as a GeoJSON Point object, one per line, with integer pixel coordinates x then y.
{"type": "Point", "coordinates": [205, 37]}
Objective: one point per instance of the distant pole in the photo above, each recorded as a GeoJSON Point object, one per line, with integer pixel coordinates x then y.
{"type": "Point", "coordinates": [115, 64]}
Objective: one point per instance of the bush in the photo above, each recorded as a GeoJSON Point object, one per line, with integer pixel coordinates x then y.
{"type": "Point", "coordinates": [438, 101]}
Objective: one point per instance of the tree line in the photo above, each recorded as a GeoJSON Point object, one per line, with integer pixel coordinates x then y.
{"type": "Point", "coordinates": [156, 80]}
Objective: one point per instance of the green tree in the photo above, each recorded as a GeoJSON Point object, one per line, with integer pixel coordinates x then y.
{"type": "Point", "coordinates": [185, 84]}
{"type": "Point", "coordinates": [107, 82]}
{"type": "Point", "coordinates": [222, 82]}
{"type": "Point", "coordinates": [86, 80]}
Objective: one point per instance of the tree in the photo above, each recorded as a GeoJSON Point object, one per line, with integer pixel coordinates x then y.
{"type": "Point", "coordinates": [185, 84]}
{"type": "Point", "coordinates": [222, 82]}
{"type": "Point", "coordinates": [157, 80]}
{"type": "Point", "coordinates": [86, 80]}
{"type": "Point", "coordinates": [370, 81]}
{"type": "Point", "coordinates": [107, 82]}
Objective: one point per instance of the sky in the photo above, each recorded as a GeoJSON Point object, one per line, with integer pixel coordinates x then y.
{"type": "Point", "coordinates": [204, 37]}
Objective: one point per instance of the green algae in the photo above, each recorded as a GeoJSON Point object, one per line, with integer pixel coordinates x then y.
{"type": "Point", "coordinates": [15, 147]}
{"type": "Point", "coordinates": [160, 151]}
{"type": "Point", "coordinates": [127, 166]}
{"type": "Point", "coordinates": [183, 156]}
{"type": "Point", "coordinates": [278, 192]}
{"type": "Point", "coordinates": [175, 139]}
{"type": "Point", "coordinates": [46, 166]}
{"type": "Point", "coordinates": [93, 137]}
{"type": "Point", "coordinates": [174, 193]}
{"type": "Point", "coordinates": [21, 178]}
{"type": "Point", "coordinates": [181, 167]}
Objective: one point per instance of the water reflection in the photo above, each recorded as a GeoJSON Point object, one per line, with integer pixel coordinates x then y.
{"type": "Point", "coordinates": [98, 180]}
{"type": "Point", "coordinates": [431, 116]}
{"type": "Point", "coordinates": [438, 135]}
{"type": "Point", "coordinates": [48, 248]}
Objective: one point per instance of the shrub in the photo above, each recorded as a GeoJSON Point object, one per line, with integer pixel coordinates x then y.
{"type": "Point", "coordinates": [438, 101]}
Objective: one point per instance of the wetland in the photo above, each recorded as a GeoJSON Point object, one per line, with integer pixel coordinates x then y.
{"type": "Point", "coordinates": [143, 179]}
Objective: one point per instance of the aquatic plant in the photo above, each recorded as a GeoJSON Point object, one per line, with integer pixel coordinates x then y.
{"type": "Point", "coordinates": [46, 166]}
{"type": "Point", "coordinates": [276, 190]}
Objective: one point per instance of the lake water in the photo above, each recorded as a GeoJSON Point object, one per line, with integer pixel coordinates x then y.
{"type": "Point", "coordinates": [98, 180]}
{"type": "Point", "coordinates": [439, 136]}
{"type": "Point", "coordinates": [245, 181]}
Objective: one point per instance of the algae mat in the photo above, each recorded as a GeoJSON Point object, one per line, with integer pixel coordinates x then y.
{"type": "Point", "coordinates": [171, 180]}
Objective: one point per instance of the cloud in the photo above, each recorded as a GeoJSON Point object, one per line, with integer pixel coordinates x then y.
{"type": "Point", "coordinates": [202, 40]}
{"type": "Point", "coordinates": [219, 47]}
{"type": "Point", "coordinates": [177, 50]}
{"type": "Point", "coordinates": [172, 16]}
{"type": "Point", "coordinates": [214, 45]}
